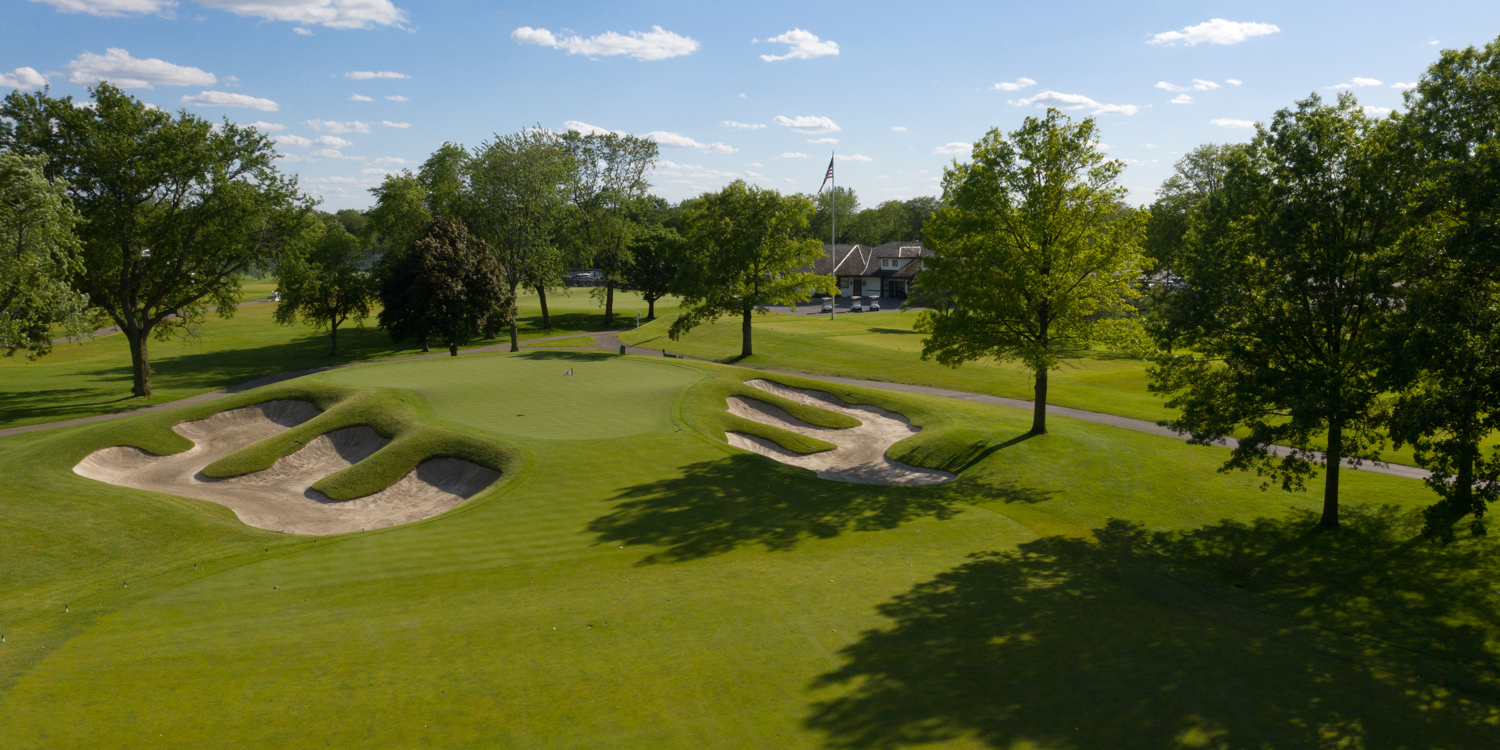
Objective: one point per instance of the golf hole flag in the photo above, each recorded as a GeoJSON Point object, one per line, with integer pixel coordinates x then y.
{"type": "Point", "coordinates": [569, 372]}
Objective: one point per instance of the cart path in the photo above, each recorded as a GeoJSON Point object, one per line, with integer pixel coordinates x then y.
{"type": "Point", "coordinates": [610, 341]}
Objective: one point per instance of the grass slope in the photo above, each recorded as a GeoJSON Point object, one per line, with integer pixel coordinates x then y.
{"type": "Point", "coordinates": [1092, 588]}
{"type": "Point", "coordinates": [80, 380]}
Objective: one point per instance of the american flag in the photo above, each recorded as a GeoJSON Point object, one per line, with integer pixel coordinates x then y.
{"type": "Point", "coordinates": [828, 176]}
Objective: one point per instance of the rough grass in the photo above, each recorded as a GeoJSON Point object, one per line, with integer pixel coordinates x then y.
{"type": "Point", "coordinates": [1091, 588]}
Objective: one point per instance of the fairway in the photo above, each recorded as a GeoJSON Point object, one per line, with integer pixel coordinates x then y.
{"type": "Point", "coordinates": [635, 582]}
{"type": "Point", "coordinates": [529, 396]}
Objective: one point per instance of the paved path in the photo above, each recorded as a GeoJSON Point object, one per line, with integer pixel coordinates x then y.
{"type": "Point", "coordinates": [610, 341]}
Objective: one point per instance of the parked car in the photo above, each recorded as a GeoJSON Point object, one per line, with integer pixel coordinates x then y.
{"type": "Point", "coordinates": [828, 304]}
{"type": "Point", "coordinates": [874, 304]}
{"type": "Point", "coordinates": [857, 306]}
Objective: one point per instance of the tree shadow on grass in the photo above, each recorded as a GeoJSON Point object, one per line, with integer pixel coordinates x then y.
{"type": "Point", "coordinates": [717, 506]}
{"type": "Point", "coordinates": [1234, 635]}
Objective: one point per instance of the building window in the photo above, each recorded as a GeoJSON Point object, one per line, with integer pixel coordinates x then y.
{"type": "Point", "coordinates": [889, 263]}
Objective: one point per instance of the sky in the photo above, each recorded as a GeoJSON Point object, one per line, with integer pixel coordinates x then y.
{"type": "Point", "coordinates": [764, 91]}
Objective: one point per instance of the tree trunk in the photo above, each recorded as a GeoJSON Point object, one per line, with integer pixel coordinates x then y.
{"type": "Point", "coordinates": [609, 302]}
{"type": "Point", "coordinates": [140, 361]}
{"type": "Point", "coordinates": [745, 349]}
{"type": "Point", "coordinates": [515, 335]}
{"type": "Point", "coordinates": [333, 333]}
{"type": "Point", "coordinates": [1039, 407]}
{"type": "Point", "coordinates": [426, 347]}
{"type": "Point", "coordinates": [541, 294]}
{"type": "Point", "coordinates": [453, 348]}
{"type": "Point", "coordinates": [651, 309]}
{"type": "Point", "coordinates": [1333, 460]}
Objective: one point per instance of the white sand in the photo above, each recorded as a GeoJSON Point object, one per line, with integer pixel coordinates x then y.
{"type": "Point", "coordinates": [860, 455]}
{"type": "Point", "coordinates": [280, 498]}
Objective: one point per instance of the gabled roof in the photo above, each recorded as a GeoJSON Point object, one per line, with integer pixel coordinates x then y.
{"type": "Point", "coordinates": [863, 260]}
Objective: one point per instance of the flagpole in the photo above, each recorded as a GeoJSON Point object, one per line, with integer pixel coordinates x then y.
{"type": "Point", "coordinates": [833, 239]}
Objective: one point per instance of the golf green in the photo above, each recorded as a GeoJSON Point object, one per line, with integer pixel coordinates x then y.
{"type": "Point", "coordinates": [531, 395]}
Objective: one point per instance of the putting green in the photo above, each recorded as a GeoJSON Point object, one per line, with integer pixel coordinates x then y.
{"type": "Point", "coordinates": [527, 395]}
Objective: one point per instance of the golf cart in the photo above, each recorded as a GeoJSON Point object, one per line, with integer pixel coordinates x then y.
{"type": "Point", "coordinates": [857, 306]}
{"type": "Point", "coordinates": [874, 304]}
{"type": "Point", "coordinates": [828, 304]}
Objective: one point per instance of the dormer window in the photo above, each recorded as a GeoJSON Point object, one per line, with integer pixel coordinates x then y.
{"type": "Point", "coordinates": [890, 262]}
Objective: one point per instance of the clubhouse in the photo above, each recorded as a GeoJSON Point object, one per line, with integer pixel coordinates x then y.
{"type": "Point", "coordinates": [883, 271]}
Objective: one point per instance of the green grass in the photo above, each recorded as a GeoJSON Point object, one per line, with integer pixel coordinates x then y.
{"type": "Point", "coordinates": [81, 380]}
{"type": "Point", "coordinates": [638, 583]}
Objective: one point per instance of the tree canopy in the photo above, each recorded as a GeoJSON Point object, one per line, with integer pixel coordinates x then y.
{"type": "Point", "coordinates": [609, 176]}
{"type": "Point", "coordinates": [174, 209]}
{"type": "Point", "coordinates": [327, 285]}
{"type": "Point", "coordinates": [39, 256]}
{"type": "Point", "coordinates": [741, 254]}
{"type": "Point", "coordinates": [448, 286]}
{"type": "Point", "coordinates": [1034, 252]}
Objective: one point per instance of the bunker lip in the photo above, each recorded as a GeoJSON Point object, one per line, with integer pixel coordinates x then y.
{"type": "Point", "coordinates": [859, 457]}
{"type": "Point", "coordinates": [281, 497]}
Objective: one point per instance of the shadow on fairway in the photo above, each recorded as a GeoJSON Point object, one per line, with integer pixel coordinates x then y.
{"type": "Point", "coordinates": [719, 505]}
{"type": "Point", "coordinates": [1234, 635]}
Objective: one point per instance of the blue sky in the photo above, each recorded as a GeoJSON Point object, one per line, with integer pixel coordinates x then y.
{"type": "Point", "coordinates": [903, 88]}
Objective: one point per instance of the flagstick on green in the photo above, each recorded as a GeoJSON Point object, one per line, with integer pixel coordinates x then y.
{"type": "Point", "coordinates": [574, 388]}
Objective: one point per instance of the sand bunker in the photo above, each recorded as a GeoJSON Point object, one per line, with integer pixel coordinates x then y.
{"type": "Point", "coordinates": [280, 498]}
{"type": "Point", "coordinates": [860, 456]}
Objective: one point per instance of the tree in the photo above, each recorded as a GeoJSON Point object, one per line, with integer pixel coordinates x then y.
{"type": "Point", "coordinates": [520, 184]}
{"type": "Point", "coordinates": [821, 219]}
{"type": "Point", "coordinates": [39, 255]}
{"type": "Point", "coordinates": [444, 181]}
{"type": "Point", "coordinates": [1288, 291]}
{"type": "Point", "coordinates": [654, 254]}
{"type": "Point", "coordinates": [400, 216]}
{"type": "Point", "coordinates": [741, 253]}
{"type": "Point", "coordinates": [447, 286]}
{"type": "Point", "coordinates": [609, 175]}
{"type": "Point", "coordinates": [1034, 254]}
{"type": "Point", "coordinates": [1196, 176]}
{"type": "Point", "coordinates": [327, 286]}
{"type": "Point", "coordinates": [1444, 354]}
{"type": "Point", "coordinates": [174, 209]}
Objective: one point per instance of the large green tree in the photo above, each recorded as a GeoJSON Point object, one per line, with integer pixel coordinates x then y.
{"type": "Point", "coordinates": [1289, 287]}
{"type": "Point", "coordinates": [609, 176]}
{"type": "Point", "coordinates": [400, 215]}
{"type": "Point", "coordinates": [329, 284]}
{"type": "Point", "coordinates": [1196, 176]}
{"type": "Point", "coordinates": [741, 253]}
{"type": "Point", "coordinates": [1445, 342]}
{"type": "Point", "coordinates": [1034, 254]}
{"type": "Point", "coordinates": [447, 286]}
{"type": "Point", "coordinates": [520, 186]}
{"type": "Point", "coordinates": [655, 256]}
{"type": "Point", "coordinates": [39, 256]}
{"type": "Point", "coordinates": [174, 209]}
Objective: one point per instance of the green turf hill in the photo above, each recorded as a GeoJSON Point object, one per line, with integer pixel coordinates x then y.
{"type": "Point", "coordinates": [638, 583]}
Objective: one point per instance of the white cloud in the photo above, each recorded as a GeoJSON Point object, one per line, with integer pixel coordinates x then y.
{"type": "Point", "coordinates": [587, 129]}
{"type": "Point", "coordinates": [899, 129]}
{"type": "Point", "coordinates": [1182, 99]}
{"type": "Point", "coordinates": [1399, 85]}
{"type": "Point", "coordinates": [668, 168]}
{"type": "Point", "coordinates": [22, 78]}
{"type": "Point", "coordinates": [1139, 161]}
{"type": "Point", "coordinates": [389, 124]}
{"type": "Point", "coordinates": [742, 96]}
{"type": "Point", "coordinates": [338, 14]}
{"type": "Point", "coordinates": [656, 44]}
{"type": "Point", "coordinates": [742, 125]}
{"type": "Point", "coordinates": [397, 98]}
{"type": "Point", "coordinates": [339, 127]}
{"type": "Point", "coordinates": [792, 155]}
{"type": "Point", "coordinates": [393, 160]}
{"type": "Point", "coordinates": [1217, 31]}
{"type": "Point", "coordinates": [333, 153]}
{"type": "Point", "coordinates": [110, 7]}
{"type": "Point", "coordinates": [1355, 83]}
{"type": "Point", "coordinates": [365, 75]}
{"type": "Point", "coordinates": [299, 31]}
{"type": "Point", "coordinates": [805, 45]}
{"type": "Point", "coordinates": [332, 141]}
{"type": "Point", "coordinates": [292, 140]}
{"type": "Point", "coordinates": [118, 67]}
{"type": "Point", "coordinates": [678, 140]}
{"type": "Point", "coordinates": [809, 125]}
{"type": "Point", "coordinates": [1149, 145]}
{"type": "Point", "coordinates": [223, 99]}
{"type": "Point", "coordinates": [1377, 111]}
{"type": "Point", "coordinates": [1169, 86]}
{"type": "Point", "coordinates": [1076, 101]}
{"type": "Point", "coordinates": [295, 158]}
{"type": "Point", "coordinates": [360, 98]}
{"type": "Point", "coordinates": [1233, 81]}
{"type": "Point", "coordinates": [1017, 85]}
{"type": "Point", "coordinates": [268, 127]}
{"type": "Point", "coordinates": [855, 157]}
{"type": "Point", "coordinates": [1225, 122]}
{"type": "Point", "coordinates": [822, 140]}
{"type": "Point", "coordinates": [953, 148]}
{"type": "Point", "coordinates": [374, 170]}
{"type": "Point", "coordinates": [755, 164]}
{"type": "Point", "coordinates": [1202, 85]}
